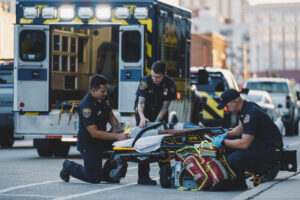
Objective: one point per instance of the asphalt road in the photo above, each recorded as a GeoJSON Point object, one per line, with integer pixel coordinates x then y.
{"type": "Point", "coordinates": [24, 175]}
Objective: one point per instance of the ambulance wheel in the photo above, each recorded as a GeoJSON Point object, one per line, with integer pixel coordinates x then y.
{"type": "Point", "coordinates": [165, 174]}
{"type": "Point", "coordinates": [44, 152]}
{"type": "Point", "coordinates": [43, 147]}
{"type": "Point", "coordinates": [7, 140]}
{"type": "Point", "coordinates": [61, 149]}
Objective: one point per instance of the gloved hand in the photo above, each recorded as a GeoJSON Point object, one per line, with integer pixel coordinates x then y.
{"type": "Point", "coordinates": [224, 136]}
{"type": "Point", "coordinates": [218, 140]}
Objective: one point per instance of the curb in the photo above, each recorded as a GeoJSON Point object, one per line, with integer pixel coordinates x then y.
{"type": "Point", "coordinates": [254, 192]}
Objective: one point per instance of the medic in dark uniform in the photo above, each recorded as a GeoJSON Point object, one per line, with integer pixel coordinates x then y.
{"type": "Point", "coordinates": [92, 140]}
{"type": "Point", "coordinates": [256, 139]}
{"type": "Point", "coordinates": [154, 95]}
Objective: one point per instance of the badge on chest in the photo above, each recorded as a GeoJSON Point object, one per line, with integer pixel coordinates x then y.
{"type": "Point", "coordinates": [166, 91]}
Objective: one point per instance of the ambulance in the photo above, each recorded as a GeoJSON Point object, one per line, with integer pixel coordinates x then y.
{"type": "Point", "coordinates": [60, 45]}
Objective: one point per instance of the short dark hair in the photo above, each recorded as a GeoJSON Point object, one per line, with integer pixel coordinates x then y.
{"type": "Point", "coordinates": [96, 81]}
{"type": "Point", "coordinates": [159, 67]}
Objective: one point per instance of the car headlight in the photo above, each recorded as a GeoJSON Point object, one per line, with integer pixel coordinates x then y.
{"type": "Point", "coordinates": [49, 12]}
{"type": "Point", "coordinates": [103, 12]}
{"type": "Point", "coordinates": [67, 12]}
{"type": "Point", "coordinates": [30, 12]}
{"type": "Point", "coordinates": [122, 12]}
{"type": "Point", "coordinates": [141, 12]}
{"type": "Point", "coordinates": [85, 12]}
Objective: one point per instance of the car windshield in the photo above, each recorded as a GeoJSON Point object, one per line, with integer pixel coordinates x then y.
{"type": "Point", "coordinates": [272, 87]}
{"type": "Point", "coordinates": [216, 83]}
{"type": "Point", "coordinates": [253, 97]}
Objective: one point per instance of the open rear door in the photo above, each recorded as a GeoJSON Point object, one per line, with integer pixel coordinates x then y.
{"type": "Point", "coordinates": [31, 71]}
{"type": "Point", "coordinates": [131, 65]}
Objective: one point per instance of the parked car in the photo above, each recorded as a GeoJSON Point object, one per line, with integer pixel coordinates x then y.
{"type": "Point", "coordinates": [6, 105]}
{"type": "Point", "coordinates": [283, 95]}
{"type": "Point", "coordinates": [264, 100]}
{"type": "Point", "coordinates": [208, 84]}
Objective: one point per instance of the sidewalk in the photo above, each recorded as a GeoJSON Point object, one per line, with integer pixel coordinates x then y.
{"type": "Point", "coordinates": [285, 186]}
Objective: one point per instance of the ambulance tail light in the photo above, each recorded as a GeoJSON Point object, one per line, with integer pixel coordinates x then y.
{"type": "Point", "coordinates": [53, 136]}
{"type": "Point", "coordinates": [85, 12]}
{"type": "Point", "coordinates": [122, 12]}
{"type": "Point", "coordinates": [287, 104]}
{"type": "Point", "coordinates": [225, 108]}
{"type": "Point", "coordinates": [141, 13]}
{"type": "Point", "coordinates": [67, 12]}
{"type": "Point", "coordinates": [178, 95]}
{"type": "Point", "coordinates": [49, 12]}
{"type": "Point", "coordinates": [30, 12]}
{"type": "Point", "coordinates": [103, 12]}
{"type": "Point", "coordinates": [22, 104]}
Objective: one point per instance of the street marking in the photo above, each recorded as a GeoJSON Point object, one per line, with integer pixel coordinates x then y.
{"type": "Point", "coordinates": [35, 184]}
{"type": "Point", "coordinates": [97, 191]}
{"type": "Point", "coordinates": [29, 195]}
{"type": "Point", "coordinates": [28, 185]}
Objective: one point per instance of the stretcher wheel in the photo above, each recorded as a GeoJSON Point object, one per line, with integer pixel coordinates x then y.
{"type": "Point", "coordinates": [165, 173]}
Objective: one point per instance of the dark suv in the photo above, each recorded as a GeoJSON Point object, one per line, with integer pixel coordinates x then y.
{"type": "Point", "coordinates": [207, 85]}
{"type": "Point", "coordinates": [6, 104]}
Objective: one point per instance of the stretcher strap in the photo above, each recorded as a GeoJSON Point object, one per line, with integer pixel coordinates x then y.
{"type": "Point", "coordinates": [140, 134]}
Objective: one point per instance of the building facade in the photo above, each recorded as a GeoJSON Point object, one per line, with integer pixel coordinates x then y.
{"type": "Point", "coordinates": [275, 39]}
{"type": "Point", "coordinates": [7, 21]}
{"type": "Point", "coordinates": [225, 17]}
{"type": "Point", "coordinates": [208, 50]}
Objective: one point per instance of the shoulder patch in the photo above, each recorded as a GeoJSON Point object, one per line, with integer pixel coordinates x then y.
{"type": "Point", "coordinates": [107, 103]}
{"type": "Point", "coordinates": [143, 85]}
{"type": "Point", "coordinates": [247, 119]}
{"type": "Point", "coordinates": [86, 112]}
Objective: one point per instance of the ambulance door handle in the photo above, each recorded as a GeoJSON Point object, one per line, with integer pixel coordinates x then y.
{"type": "Point", "coordinates": [128, 75]}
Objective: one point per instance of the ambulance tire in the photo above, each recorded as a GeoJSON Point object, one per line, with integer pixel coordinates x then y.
{"type": "Point", "coordinates": [44, 151]}
{"type": "Point", "coordinates": [7, 139]}
{"type": "Point", "coordinates": [165, 174]}
{"type": "Point", "coordinates": [61, 149]}
{"type": "Point", "coordinates": [43, 147]}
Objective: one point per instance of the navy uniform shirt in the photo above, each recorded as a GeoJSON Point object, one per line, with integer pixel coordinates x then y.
{"type": "Point", "coordinates": [92, 112]}
{"type": "Point", "coordinates": [255, 121]}
{"type": "Point", "coordinates": [155, 95]}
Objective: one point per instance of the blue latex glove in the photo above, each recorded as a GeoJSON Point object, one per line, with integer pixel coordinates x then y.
{"type": "Point", "coordinates": [218, 140]}
{"type": "Point", "coordinates": [224, 136]}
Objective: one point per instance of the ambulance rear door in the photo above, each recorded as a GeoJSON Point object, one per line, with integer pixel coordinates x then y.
{"type": "Point", "coordinates": [131, 65]}
{"type": "Point", "coordinates": [31, 91]}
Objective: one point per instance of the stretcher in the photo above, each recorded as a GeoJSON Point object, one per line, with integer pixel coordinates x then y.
{"type": "Point", "coordinates": [163, 150]}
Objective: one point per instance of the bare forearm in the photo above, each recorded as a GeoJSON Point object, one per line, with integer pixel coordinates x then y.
{"type": "Point", "coordinates": [141, 108]}
{"type": "Point", "coordinates": [235, 132]}
{"type": "Point", "coordinates": [103, 135]}
{"type": "Point", "coordinates": [163, 112]}
{"type": "Point", "coordinates": [112, 119]}
{"type": "Point", "coordinates": [236, 144]}
{"type": "Point", "coordinates": [174, 132]}
{"type": "Point", "coordinates": [99, 134]}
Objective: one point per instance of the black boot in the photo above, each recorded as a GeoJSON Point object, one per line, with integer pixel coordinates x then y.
{"type": "Point", "coordinates": [65, 172]}
{"type": "Point", "coordinates": [143, 173]}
